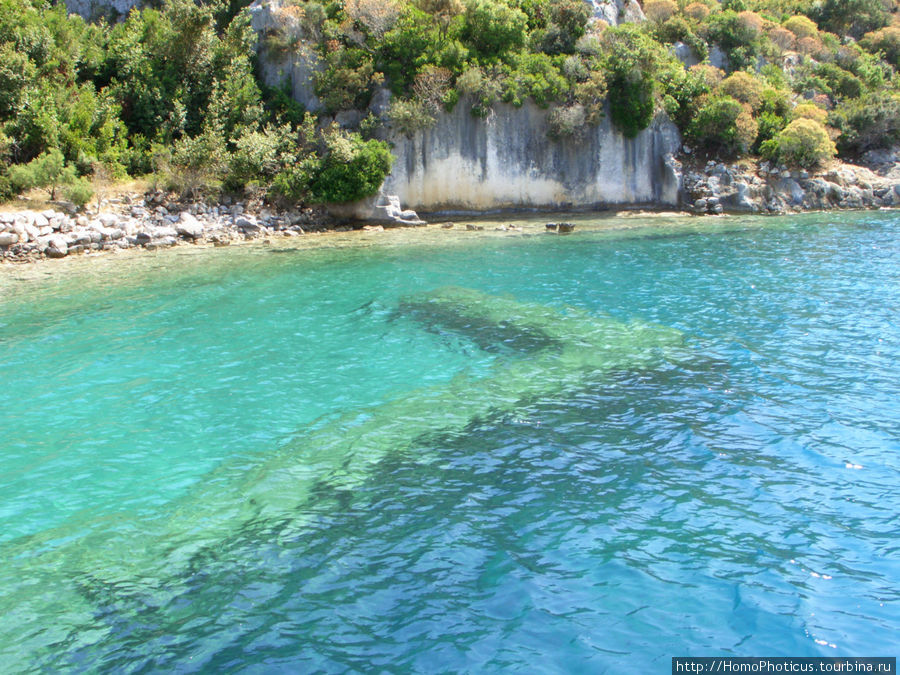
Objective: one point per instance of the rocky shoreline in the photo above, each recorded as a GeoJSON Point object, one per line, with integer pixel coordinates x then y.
{"type": "Point", "coordinates": [151, 222]}
{"type": "Point", "coordinates": [760, 187]}
{"type": "Point", "coordinates": [156, 220]}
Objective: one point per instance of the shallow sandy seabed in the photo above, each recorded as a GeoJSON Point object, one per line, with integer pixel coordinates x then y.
{"type": "Point", "coordinates": [136, 262]}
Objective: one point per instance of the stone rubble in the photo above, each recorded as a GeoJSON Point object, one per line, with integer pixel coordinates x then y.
{"type": "Point", "coordinates": [747, 186]}
{"type": "Point", "coordinates": [157, 220]}
{"type": "Point", "coordinates": [153, 222]}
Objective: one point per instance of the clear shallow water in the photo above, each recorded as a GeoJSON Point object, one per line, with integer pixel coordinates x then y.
{"type": "Point", "coordinates": [259, 461]}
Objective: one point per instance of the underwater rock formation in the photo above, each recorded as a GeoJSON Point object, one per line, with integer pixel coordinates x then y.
{"type": "Point", "coordinates": [78, 575]}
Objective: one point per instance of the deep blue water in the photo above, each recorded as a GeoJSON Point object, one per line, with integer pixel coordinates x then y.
{"type": "Point", "coordinates": [261, 461]}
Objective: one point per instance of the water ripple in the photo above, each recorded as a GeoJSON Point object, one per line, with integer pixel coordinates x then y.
{"type": "Point", "coordinates": [738, 497]}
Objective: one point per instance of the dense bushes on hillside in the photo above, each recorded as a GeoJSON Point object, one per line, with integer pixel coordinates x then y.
{"type": "Point", "coordinates": [778, 54]}
{"type": "Point", "coordinates": [804, 142]}
{"type": "Point", "coordinates": [170, 91]}
{"type": "Point", "coordinates": [174, 90]}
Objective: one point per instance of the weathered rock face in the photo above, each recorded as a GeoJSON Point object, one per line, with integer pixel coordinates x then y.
{"type": "Point", "coordinates": [685, 54]}
{"type": "Point", "coordinates": [465, 163]}
{"type": "Point", "coordinates": [615, 12]}
{"type": "Point", "coordinates": [94, 9]}
{"type": "Point", "coordinates": [382, 208]}
{"type": "Point", "coordinates": [295, 66]}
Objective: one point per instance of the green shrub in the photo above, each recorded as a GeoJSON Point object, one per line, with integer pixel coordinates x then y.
{"type": "Point", "coordinates": [779, 10]}
{"type": "Point", "coordinates": [809, 111]}
{"type": "Point", "coordinates": [803, 142]}
{"type": "Point", "coordinates": [352, 168]}
{"type": "Point", "coordinates": [802, 26]}
{"type": "Point", "coordinates": [839, 82]}
{"type": "Point", "coordinates": [874, 73]}
{"type": "Point", "coordinates": [686, 90]}
{"type": "Point", "coordinates": [16, 71]}
{"type": "Point", "coordinates": [279, 103]}
{"type": "Point", "coordinates": [710, 75]}
{"type": "Point", "coordinates": [697, 11]}
{"type": "Point", "coordinates": [751, 21]}
{"type": "Point", "coordinates": [7, 191]}
{"type": "Point", "coordinates": [812, 46]}
{"type": "Point", "coordinates": [634, 62]}
{"type": "Point", "coordinates": [775, 100]}
{"type": "Point", "coordinates": [591, 95]}
{"type": "Point", "coordinates": [567, 121]}
{"type": "Point", "coordinates": [347, 80]}
{"type": "Point", "coordinates": [79, 192]}
{"type": "Point", "coordinates": [677, 29]}
{"type": "Point", "coordinates": [404, 48]}
{"type": "Point", "coordinates": [782, 38]}
{"type": "Point", "coordinates": [632, 105]}
{"type": "Point", "coordinates": [768, 125]}
{"type": "Point", "coordinates": [723, 125]}
{"type": "Point", "coordinates": [48, 171]}
{"type": "Point", "coordinates": [535, 76]}
{"type": "Point", "coordinates": [744, 87]}
{"type": "Point", "coordinates": [886, 41]}
{"type": "Point", "coordinates": [482, 86]}
{"type": "Point", "coordinates": [852, 17]}
{"type": "Point", "coordinates": [660, 10]}
{"type": "Point", "coordinates": [568, 21]}
{"type": "Point", "coordinates": [736, 37]}
{"type": "Point", "coordinates": [409, 116]}
{"type": "Point", "coordinates": [259, 155]}
{"type": "Point", "coordinates": [293, 182]}
{"type": "Point", "coordinates": [771, 116]}
{"type": "Point", "coordinates": [492, 27]}
{"type": "Point", "coordinates": [192, 166]}
{"type": "Point", "coordinates": [868, 122]}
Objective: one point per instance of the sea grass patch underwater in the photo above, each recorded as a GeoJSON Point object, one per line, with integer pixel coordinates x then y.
{"type": "Point", "coordinates": [349, 458]}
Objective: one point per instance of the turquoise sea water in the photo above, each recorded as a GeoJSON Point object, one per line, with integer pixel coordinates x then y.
{"type": "Point", "coordinates": [266, 460]}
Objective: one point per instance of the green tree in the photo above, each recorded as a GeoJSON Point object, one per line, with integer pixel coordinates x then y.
{"type": "Point", "coordinates": [633, 62]}
{"type": "Point", "coordinates": [568, 22]}
{"type": "Point", "coordinates": [737, 38]}
{"type": "Point", "coordinates": [536, 76]}
{"type": "Point", "coordinates": [852, 17]}
{"type": "Point", "coordinates": [16, 72]}
{"type": "Point", "coordinates": [48, 171]}
{"type": "Point", "coordinates": [493, 28]}
{"type": "Point", "coordinates": [404, 49]}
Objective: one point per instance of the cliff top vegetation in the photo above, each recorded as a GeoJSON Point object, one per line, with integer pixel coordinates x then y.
{"type": "Point", "coordinates": [175, 92]}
